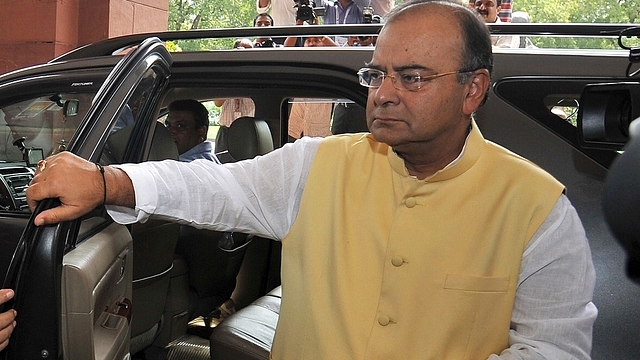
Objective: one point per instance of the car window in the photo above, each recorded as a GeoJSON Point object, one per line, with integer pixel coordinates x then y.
{"type": "Point", "coordinates": [31, 130]}
{"type": "Point", "coordinates": [45, 124]}
{"type": "Point", "coordinates": [321, 117]}
{"type": "Point", "coordinates": [117, 148]}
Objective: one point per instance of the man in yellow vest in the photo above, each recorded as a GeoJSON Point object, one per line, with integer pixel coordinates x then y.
{"type": "Point", "coordinates": [391, 248]}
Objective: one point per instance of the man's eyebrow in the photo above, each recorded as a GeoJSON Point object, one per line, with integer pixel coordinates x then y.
{"type": "Point", "coordinates": [410, 67]}
{"type": "Point", "coordinates": [401, 67]}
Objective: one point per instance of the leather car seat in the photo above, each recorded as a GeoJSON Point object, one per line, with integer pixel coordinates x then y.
{"type": "Point", "coordinates": [246, 138]}
{"type": "Point", "coordinates": [248, 334]}
{"type": "Point", "coordinates": [154, 244]}
{"type": "Point", "coordinates": [214, 258]}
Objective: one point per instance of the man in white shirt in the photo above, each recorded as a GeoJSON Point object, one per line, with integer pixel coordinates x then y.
{"type": "Point", "coordinates": [489, 10]}
{"type": "Point", "coordinates": [283, 12]}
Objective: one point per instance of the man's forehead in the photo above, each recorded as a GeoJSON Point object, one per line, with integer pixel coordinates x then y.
{"type": "Point", "coordinates": [431, 43]}
{"type": "Point", "coordinates": [179, 115]}
{"type": "Point", "coordinates": [424, 29]}
{"type": "Point", "coordinates": [485, 2]}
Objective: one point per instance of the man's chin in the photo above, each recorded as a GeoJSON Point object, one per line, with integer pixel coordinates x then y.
{"type": "Point", "coordinates": [385, 135]}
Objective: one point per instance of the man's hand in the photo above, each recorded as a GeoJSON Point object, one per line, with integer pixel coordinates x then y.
{"type": "Point", "coordinates": [79, 185]}
{"type": "Point", "coordinates": [7, 319]}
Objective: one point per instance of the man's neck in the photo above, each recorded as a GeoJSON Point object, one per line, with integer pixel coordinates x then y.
{"type": "Point", "coordinates": [423, 163]}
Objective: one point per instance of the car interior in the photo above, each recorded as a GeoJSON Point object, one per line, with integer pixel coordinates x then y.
{"type": "Point", "coordinates": [160, 290]}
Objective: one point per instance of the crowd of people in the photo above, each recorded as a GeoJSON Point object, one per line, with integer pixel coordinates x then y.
{"type": "Point", "coordinates": [368, 11]}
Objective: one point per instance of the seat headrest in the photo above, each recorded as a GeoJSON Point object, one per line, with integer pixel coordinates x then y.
{"type": "Point", "coordinates": [249, 137]}
{"type": "Point", "coordinates": [162, 146]}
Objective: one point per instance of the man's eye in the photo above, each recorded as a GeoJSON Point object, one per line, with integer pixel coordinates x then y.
{"type": "Point", "coordinates": [410, 78]}
{"type": "Point", "coordinates": [375, 75]}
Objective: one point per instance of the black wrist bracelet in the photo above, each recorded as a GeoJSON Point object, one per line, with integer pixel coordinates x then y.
{"type": "Point", "coordinates": [104, 183]}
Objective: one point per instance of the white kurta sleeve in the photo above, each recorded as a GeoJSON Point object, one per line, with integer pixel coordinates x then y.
{"type": "Point", "coordinates": [260, 196]}
{"type": "Point", "coordinates": [553, 315]}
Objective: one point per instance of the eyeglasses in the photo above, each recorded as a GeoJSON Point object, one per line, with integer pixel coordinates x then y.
{"type": "Point", "coordinates": [404, 80]}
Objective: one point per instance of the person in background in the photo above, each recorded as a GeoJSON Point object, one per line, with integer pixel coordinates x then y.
{"type": "Point", "coordinates": [282, 11]}
{"type": "Point", "coordinates": [306, 116]}
{"type": "Point", "coordinates": [380, 7]}
{"type": "Point", "coordinates": [310, 41]}
{"type": "Point", "coordinates": [421, 239]}
{"type": "Point", "coordinates": [188, 124]}
{"type": "Point", "coordinates": [505, 13]}
{"type": "Point", "coordinates": [523, 18]}
{"type": "Point", "coordinates": [233, 109]}
{"type": "Point", "coordinates": [262, 20]}
{"type": "Point", "coordinates": [342, 12]}
{"type": "Point", "coordinates": [506, 8]}
{"type": "Point", "coordinates": [489, 10]}
{"type": "Point", "coordinates": [243, 43]}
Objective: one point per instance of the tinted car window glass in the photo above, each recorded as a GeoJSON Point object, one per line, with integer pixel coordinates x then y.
{"type": "Point", "coordinates": [31, 130]}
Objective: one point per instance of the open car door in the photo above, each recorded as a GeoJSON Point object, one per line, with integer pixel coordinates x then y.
{"type": "Point", "coordinates": [73, 279]}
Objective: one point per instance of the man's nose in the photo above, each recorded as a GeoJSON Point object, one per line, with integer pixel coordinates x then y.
{"type": "Point", "coordinates": [386, 92]}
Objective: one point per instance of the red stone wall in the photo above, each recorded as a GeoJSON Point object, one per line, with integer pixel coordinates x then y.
{"type": "Point", "coordinates": [35, 31]}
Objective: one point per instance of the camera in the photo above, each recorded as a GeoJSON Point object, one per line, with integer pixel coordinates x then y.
{"type": "Point", "coordinates": [265, 43]}
{"type": "Point", "coordinates": [367, 15]}
{"type": "Point", "coordinates": [305, 11]}
{"type": "Point", "coordinates": [369, 18]}
{"type": "Point", "coordinates": [605, 113]}
{"type": "Point", "coordinates": [609, 118]}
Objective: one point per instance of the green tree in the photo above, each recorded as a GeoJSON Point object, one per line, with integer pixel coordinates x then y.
{"type": "Point", "coordinates": [579, 11]}
{"type": "Point", "coordinates": [208, 14]}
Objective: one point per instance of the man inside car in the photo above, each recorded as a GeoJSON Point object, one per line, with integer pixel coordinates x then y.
{"type": "Point", "coordinates": [418, 240]}
{"type": "Point", "coordinates": [188, 124]}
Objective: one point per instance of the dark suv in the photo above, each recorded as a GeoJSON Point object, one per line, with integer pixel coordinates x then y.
{"type": "Point", "coordinates": [93, 289]}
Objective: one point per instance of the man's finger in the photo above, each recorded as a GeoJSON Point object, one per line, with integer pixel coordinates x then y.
{"type": "Point", "coordinates": [6, 295]}
{"type": "Point", "coordinates": [56, 215]}
{"type": "Point", "coordinates": [4, 344]}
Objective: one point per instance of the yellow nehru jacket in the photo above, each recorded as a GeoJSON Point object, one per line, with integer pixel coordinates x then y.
{"type": "Point", "coordinates": [381, 265]}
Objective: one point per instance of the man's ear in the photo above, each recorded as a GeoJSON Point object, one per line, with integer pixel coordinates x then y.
{"type": "Point", "coordinates": [202, 132]}
{"type": "Point", "coordinates": [477, 89]}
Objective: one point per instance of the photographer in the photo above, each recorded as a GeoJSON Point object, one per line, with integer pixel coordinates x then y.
{"type": "Point", "coordinates": [366, 40]}
{"type": "Point", "coordinates": [380, 7]}
{"type": "Point", "coordinates": [263, 42]}
{"type": "Point", "coordinates": [343, 12]}
{"type": "Point", "coordinates": [309, 41]}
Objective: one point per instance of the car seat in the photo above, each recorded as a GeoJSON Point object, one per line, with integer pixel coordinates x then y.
{"type": "Point", "coordinates": [154, 244]}
{"type": "Point", "coordinates": [246, 138]}
{"type": "Point", "coordinates": [214, 258]}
